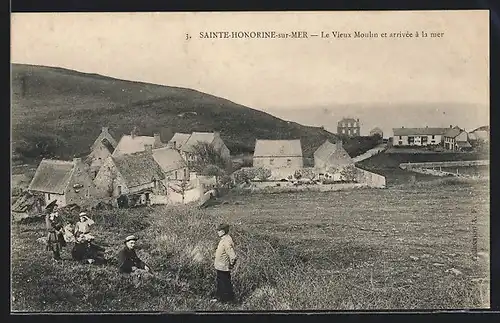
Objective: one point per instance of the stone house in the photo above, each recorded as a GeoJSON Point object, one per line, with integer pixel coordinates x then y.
{"type": "Point", "coordinates": [456, 139]}
{"type": "Point", "coordinates": [172, 164]}
{"type": "Point", "coordinates": [102, 148]}
{"type": "Point", "coordinates": [67, 182]}
{"type": "Point", "coordinates": [282, 157]}
{"type": "Point", "coordinates": [330, 159]}
{"type": "Point", "coordinates": [132, 174]}
{"type": "Point", "coordinates": [186, 146]}
{"type": "Point", "coordinates": [418, 136]}
{"type": "Point", "coordinates": [178, 140]}
{"type": "Point", "coordinates": [134, 143]}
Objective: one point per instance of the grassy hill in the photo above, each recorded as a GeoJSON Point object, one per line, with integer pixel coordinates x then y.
{"type": "Point", "coordinates": [58, 113]}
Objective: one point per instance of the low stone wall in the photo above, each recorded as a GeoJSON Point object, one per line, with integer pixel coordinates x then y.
{"type": "Point", "coordinates": [285, 187]}
{"type": "Point", "coordinates": [461, 163]}
{"type": "Point", "coordinates": [370, 179]}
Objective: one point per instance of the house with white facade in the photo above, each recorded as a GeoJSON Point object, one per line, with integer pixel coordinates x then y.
{"type": "Point", "coordinates": [282, 157]}
{"type": "Point", "coordinates": [418, 136]}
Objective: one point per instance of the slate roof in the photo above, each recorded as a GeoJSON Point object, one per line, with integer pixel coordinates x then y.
{"type": "Point", "coordinates": [180, 139]}
{"type": "Point", "coordinates": [138, 168]}
{"type": "Point", "coordinates": [52, 176]}
{"type": "Point", "coordinates": [129, 145]}
{"type": "Point", "coordinates": [332, 155]}
{"type": "Point", "coordinates": [351, 120]}
{"type": "Point", "coordinates": [277, 148]}
{"type": "Point", "coordinates": [195, 138]}
{"type": "Point", "coordinates": [418, 131]}
{"type": "Point", "coordinates": [325, 150]}
{"type": "Point", "coordinates": [169, 159]}
{"type": "Point", "coordinates": [452, 132]}
{"type": "Point", "coordinates": [108, 140]}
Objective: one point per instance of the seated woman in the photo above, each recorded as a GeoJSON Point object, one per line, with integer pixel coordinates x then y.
{"type": "Point", "coordinates": [87, 251]}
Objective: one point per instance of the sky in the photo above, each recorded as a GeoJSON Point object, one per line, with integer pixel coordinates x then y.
{"type": "Point", "coordinates": [269, 74]}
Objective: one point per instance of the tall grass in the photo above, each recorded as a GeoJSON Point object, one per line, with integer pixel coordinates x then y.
{"type": "Point", "coordinates": [178, 244]}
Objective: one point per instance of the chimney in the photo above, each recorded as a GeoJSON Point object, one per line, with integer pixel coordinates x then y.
{"type": "Point", "coordinates": [133, 133]}
{"type": "Point", "coordinates": [175, 144]}
{"type": "Point", "coordinates": [451, 126]}
{"type": "Point", "coordinates": [157, 142]}
{"type": "Point", "coordinates": [105, 129]}
{"type": "Point", "coordinates": [338, 143]}
{"type": "Point", "coordinates": [402, 127]}
{"type": "Point", "coordinates": [148, 148]}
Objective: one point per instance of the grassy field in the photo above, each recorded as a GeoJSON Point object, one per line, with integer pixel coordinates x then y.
{"type": "Point", "coordinates": [403, 247]}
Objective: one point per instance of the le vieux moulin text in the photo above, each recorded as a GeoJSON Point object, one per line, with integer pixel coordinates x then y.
{"type": "Point", "coordinates": [305, 34]}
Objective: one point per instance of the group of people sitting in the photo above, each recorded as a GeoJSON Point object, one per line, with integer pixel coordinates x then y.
{"type": "Point", "coordinates": [85, 250]}
{"type": "Point", "coordinates": [59, 234]}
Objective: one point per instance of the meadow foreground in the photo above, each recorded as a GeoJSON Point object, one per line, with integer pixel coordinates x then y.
{"type": "Point", "coordinates": [396, 248]}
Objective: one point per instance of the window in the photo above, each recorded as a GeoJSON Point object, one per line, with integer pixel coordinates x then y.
{"type": "Point", "coordinates": [400, 138]}
{"type": "Point", "coordinates": [433, 136]}
{"type": "Point", "coordinates": [175, 174]}
{"type": "Point", "coordinates": [48, 196]}
{"type": "Point", "coordinates": [289, 162]}
{"type": "Point", "coordinates": [411, 140]}
{"type": "Point", "coordinates": [424, 140]}
{"type": "Point", "coordinates": [400, 142]}
{"type": "Point", "coordinates": [271, 161]}
{"type": "Point", "coordinates": [185, 173]}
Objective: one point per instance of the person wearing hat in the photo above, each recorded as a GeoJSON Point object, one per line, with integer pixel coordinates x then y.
{"type": "Point", "coordinates": [128, 260]}
{"type": "Point", "coordinates": [55, 236]}
{"type": "Point", "coordinates": [82, 227]}
{"type": "Point", "coordinates": [225, 259]}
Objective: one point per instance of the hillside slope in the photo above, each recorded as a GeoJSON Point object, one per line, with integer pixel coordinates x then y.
{"type": "Point", "coordinates": [58, 112]}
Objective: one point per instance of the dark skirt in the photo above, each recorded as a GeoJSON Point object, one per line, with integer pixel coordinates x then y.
{"type": "Point", "coordinates": [55, 241]}
{"type": "Point", "coordinates": [225, 291]}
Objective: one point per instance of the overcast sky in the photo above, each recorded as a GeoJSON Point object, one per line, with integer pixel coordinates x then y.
{"type": "Point", "coordinates": [276, 73]}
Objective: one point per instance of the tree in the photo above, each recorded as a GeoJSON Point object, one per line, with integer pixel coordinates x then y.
{"type": "Point", "coordinates": [213, 170]}
{"type": "Point", "coordinates": [181, 188]}
{"type": "Point", "coordinates": [262, 173]}
{"type": "Point", "coordinates": [205, 154]}
{"type": "Point", "coordinates": [244, 175]}
{"type": "Point", "coordinates": [305, 173]}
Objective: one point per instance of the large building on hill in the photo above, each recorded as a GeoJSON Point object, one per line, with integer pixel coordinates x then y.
{"type": "Point", "coordinates": [282, 157]}
{"type": "Point", "coordinates": [134, 143]}
{"type": "Point", "coordinates": [67, 182]}
{"type": "Point", "coordinates": [349, 127]}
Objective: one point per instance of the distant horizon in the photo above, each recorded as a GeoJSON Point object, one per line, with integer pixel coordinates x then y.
{"type": "Point", "coordinates": [288, 114]}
